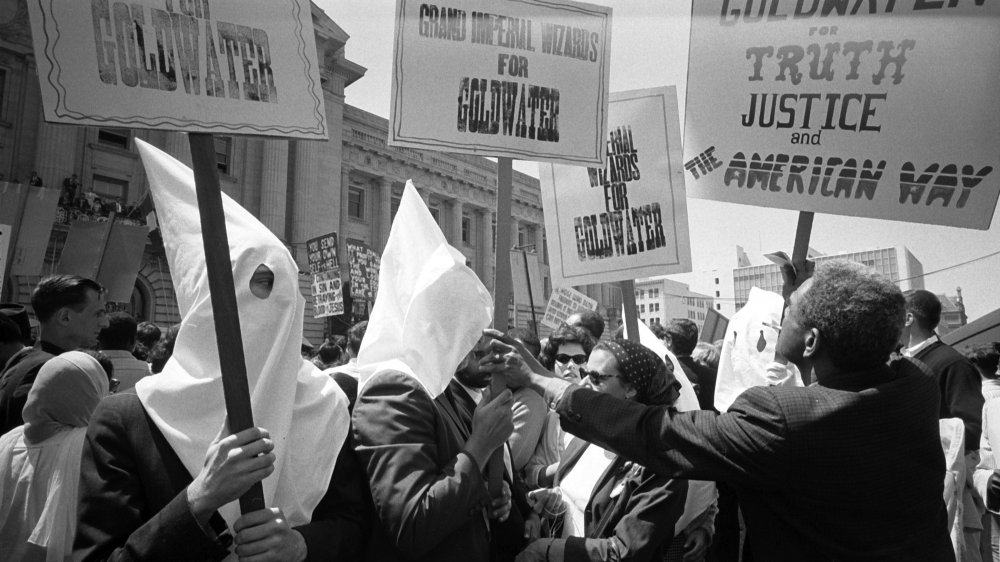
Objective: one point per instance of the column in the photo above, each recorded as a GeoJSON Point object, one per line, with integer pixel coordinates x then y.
{"type": "Point", "coordinates": [384, 211]}
{"type": "Point", "coordinates": [177, 145]}
{"type": "Point", "coordinates": [345, 184]}
{"type": "Point", "coordinates": [274, 186]}
{"type": "Point", "coordinates": [515, 225]}
{"type": "Point", "coordinates": [485, 245]}
{"type": "Point", "coordinates": [457, 208]}
{"type": "Point", "coordinates": [53, 151]}
{"type": "Point", "coordinates": [306, 223]}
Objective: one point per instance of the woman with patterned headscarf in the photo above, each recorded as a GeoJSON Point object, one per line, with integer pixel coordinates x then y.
{"type": "Point", "coordinates": [40, 460]}
{"type": "Point", "coordinates": [605, 507]}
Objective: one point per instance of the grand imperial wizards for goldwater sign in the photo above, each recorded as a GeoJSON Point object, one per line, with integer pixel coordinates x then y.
{"type": "Point", "coordinates": [525, 79]}
{"type": "Point", "coordinates": [236, 66]}
{"type": "Point", "coordinates": [882, 108]}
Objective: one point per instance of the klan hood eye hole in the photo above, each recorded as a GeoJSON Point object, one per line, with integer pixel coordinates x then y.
{"type": "Point", "coordinates": [262, 282]}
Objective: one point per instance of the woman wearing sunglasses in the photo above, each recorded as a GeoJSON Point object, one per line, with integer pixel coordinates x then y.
{"type": "Point", "coordinates": [608, 508]}
{"type": "Point", "coordinates": [564, 353]}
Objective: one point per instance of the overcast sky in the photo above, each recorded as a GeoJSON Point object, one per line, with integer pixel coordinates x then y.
{"type": "Point", "coordinates": [650, 49]}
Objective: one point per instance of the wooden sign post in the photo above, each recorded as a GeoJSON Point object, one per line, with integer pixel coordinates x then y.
{"type": "Point", "coordinates": [631, 310]}
{"type": "Point", "coordinates": [221, 286]}
{"type": "Point", "coordinates": [502, 282]}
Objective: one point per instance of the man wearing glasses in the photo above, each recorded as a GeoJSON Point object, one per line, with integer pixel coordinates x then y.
{"type": "Point", "coordinates": [847, 469]}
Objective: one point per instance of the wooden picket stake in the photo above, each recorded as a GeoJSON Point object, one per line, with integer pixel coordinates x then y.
{"type": "Point", "coordinates": [232, 362]}
{"type": "Point", "coordinates": [502, 287]}
{"type": "Point", "coordinates": [631, 311]}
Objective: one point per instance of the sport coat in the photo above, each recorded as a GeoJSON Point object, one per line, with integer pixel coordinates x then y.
{"type": "Point", "coordinates": [430, 497]}
{"type": "Point", "coordinates": [847, 473]}
{"type": "Point", "coordinates": [133, 499]}
{"type": "Point", "coordinates": [961, 388]}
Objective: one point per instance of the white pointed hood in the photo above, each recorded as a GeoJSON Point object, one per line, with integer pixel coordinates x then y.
{"type": "Point", "coordinates": [304, 411]}
{"type": "Point", "coordinates": [431, 308]}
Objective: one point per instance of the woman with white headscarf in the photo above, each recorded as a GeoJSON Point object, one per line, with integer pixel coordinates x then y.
{"type": "Point", "coordinates": [40, 460]}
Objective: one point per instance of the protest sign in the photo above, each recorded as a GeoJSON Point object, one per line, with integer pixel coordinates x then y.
{"type": "Point", "coordinates": [527, 278]}
{"type": "Point", "coordinates": [233, 66]}
{"type": "Point", "coordinates": [563, 303]}
{"type": "Point", "coordinates": [107, 252]}
{"type": "Point", "coordinates": [34, 229]}
{"type": "Point", "coordinates": [328, 294]}
{"type": "Point", "coordinates": [321, 253]}
{"type": "Point", "coordinates": [714, 328]}
{"type": "Point", "coordinates": [522, 79]}
{"type": "Point", "coordinates": [874, 109]}
{"type": "Point", "coordinates": [364, 264]}
{"type": "Point", "coordinates": [327, 291]}
{"type": "Point", "coordinates": [629, 219]}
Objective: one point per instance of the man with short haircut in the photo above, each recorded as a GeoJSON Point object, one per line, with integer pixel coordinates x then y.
{"type": "Point", "coordinates": [117, 341]}
{"type": "Point", "coordinates": [957, 378]}
{"type": "Point", "coordinates": [70, 311]}
{"type": "Point", "coordinates": [961, 395]}
{"type": "Point", "coordinates": [847, 469]}
{"type": "Point", "coordinates": [681, 337]}
{"type": "Point", "coordinates": [588, 320]}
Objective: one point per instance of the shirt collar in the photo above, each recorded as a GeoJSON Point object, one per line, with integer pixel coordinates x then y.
{"type": "Point", "coordinates": [475, 393]}
{"type": "Point", "coordinates": [911, 351]}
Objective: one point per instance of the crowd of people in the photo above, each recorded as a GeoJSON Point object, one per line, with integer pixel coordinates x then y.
{"type": "Point", "coordinates": [385, 443]}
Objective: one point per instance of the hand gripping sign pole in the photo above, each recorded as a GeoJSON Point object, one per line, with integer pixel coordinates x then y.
{"type": "Point", "coordinates": [502, 286]}
{"type": "Point", "coordinates": [223, 293]}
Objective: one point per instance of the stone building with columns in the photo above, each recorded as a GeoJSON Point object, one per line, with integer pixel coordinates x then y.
{"type": "Point", "coordinates": [350, 184]}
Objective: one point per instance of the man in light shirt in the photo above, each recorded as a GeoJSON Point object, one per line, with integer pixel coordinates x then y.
{"type": "Point", "coordinates": [116, 341]}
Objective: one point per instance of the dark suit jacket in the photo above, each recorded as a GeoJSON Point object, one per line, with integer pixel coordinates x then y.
{"type": "Point", "coordinates": [961, 388]}
{"type": "Point", "coordinates": [17, 381]}
{"type": "Point", "coordinates": [507, 537]}
{"type": "Point", "coordinates": [702, 376]}
{"type": "Point", "coordinates": [430, 497]}
{"type": "Point", "coordinates": [629, 504]}
{"type": "Point", "coordinates": [847, 473]}
{"type": "Point", "coordinates": [133, 499]}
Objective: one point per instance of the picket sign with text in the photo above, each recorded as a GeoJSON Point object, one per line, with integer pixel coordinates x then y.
{"type": "Point", "coordinates": [524, 79]}
{"type": "Point", "coordinates": [324, 265]}
{"type": "Point", "coordinates": [627, 220]}
{"type": "Point", "coordinates": [886, 110]}
{"type": "Point", "coordinates": [224, 66]}
{"type": "Point", "coordinates": [563, 303]}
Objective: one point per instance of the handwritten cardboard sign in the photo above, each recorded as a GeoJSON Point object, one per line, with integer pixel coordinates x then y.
{"type": "Point", "coordinates": [364, 264]}
{"type": "Point", "coordinates": [327, 291]}
{"type": "Point", "coordinates": [222, 66]}
{"type": "Point", "coordinates": [628, 219]}
{"type": "Point", "coordinates": [321, 252]}
{"type": "Point", "coordinates": [563, 303]}
{"type": "Point", "coordinates": [328, 294]}
{"type": "Point", "coordinates": [875, 109]}
{"type": "Point", "coordinates": [524, 79]}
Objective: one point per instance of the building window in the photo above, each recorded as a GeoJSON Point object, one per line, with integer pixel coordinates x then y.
{"type": "Point", "coordinates": [109, 189]}
{"type": "Point", "coordinates": [717, 294]}
{"type": "Point", "coordinates": [718, 306]}
{"type": "Point", "coordinates": [356, 203]}
{"type": "Point", "coordinates": [117, 138]}
{"type": "Point", "coordinates": [522, 237]}
{"type": "Point", "coordinates": [466, 229]}
{"type": "Point", "coordinates": [223, 153]}
{"type": "Point", "coordinates": [436, 213]}
{"type": "Point", "coordinates": [642, 308]}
